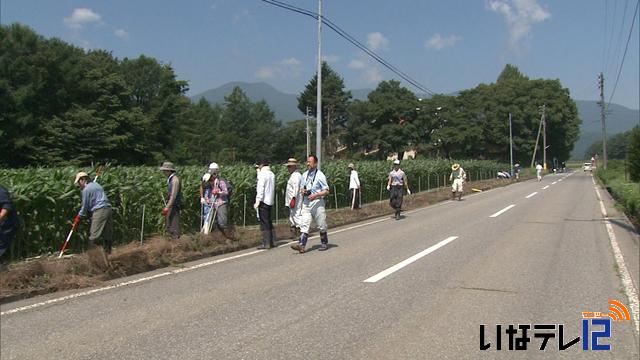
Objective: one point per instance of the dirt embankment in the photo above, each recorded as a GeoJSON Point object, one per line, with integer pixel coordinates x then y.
{"type": "Point", "coordinates": [50, 274]}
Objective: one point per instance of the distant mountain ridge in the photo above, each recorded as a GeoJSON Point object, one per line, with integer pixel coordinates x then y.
{"type": "Point", "coordinates": [285, 108]}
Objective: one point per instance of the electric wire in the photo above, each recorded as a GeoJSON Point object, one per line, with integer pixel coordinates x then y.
{"type": "Point", "coordinates": [342, 33]}
{"type": "Point", "coordinates": [633, 22]}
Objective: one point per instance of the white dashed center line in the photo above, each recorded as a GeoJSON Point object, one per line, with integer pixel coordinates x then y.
{"type": "Point", "coordinates": [502, 211]}
{"type": "Point", "coordinates": [381, 275]}
{"type": "Point", "coordinates": [531, 195]}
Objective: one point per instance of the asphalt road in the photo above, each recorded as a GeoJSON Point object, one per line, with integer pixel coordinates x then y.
{"type": "Point", "coordinates": [543, 261]}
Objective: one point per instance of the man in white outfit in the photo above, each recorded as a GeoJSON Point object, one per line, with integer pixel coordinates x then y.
{"type": "Point", "coordinates": [354, 187]}
{"type": "Point", "coordinates": [539, 172]}
{"type": "Point", "coordinates": [292, 199]}
{"type": "Point", "coordinates": [458, 176]}
{"type": "Point", "coordinates": [313, 189]}
{"type": "Point", "coordinates": [265, 193]}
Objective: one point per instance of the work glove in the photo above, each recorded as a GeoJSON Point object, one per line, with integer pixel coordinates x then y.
{"type": "Point", "coordinates": [76, 220]}
{"type": "Point", "coordinates": [216, 192]}
{"type": "Point", "coordinates": [202, 201]}
{"type": "Point", "coordinates": [408, 192]}
{"type": "Point", "coordinates": [292, 203]}
{"type": "Point", "coordinates": [165, 211]}
{"type": "Point", "coordinates": [255, 206]}
{"type": "Point", "coordinates": [388, 187]}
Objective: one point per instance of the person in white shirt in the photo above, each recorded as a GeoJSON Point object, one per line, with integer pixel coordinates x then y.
{"type": "Point", "coordinates": [539, 172]}
{"type": "Point", "coordinates": [292, 199]}
{"type": "Point", "coordinates": [396, 184]}
{"type": "Point", "coordinates": [265, 193]}
{"type": "Point", "coordinates": [354, 187]}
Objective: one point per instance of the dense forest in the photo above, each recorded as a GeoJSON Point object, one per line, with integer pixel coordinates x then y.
{"type": "Point", "coordinates": [65, 105]}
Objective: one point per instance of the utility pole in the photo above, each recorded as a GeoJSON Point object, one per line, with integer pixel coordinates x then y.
{"type": "Point", "coordinates": [602, 120]}
{"type": "Point", "coordinates": [308, 133]}
{"type": "Point", "coordinates": [535, 148]}
{"type": "Point", "coordinates": [510, 144]}
{"type": "Point", "coordinates": [544, 137]}
{"type": "Point", "coordinates": [319, 90]}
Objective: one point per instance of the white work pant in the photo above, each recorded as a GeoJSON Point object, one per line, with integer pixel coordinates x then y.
{"type": "Point", "coordinates": [313, 210]}
{"type": "Point", "coordinates": [295, 214]}
{"type": "Point", "coordinates": [456, 185]}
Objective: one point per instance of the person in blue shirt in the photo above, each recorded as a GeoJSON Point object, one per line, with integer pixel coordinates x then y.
{"type": "Point", "coordinates": [96, 205]}
{"type": "Point", "coordinates": [313, 189]}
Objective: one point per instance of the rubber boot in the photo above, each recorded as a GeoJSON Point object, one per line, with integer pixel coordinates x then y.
{"type": "Point", "coordinates": [301, 243]}
{"type": "Point", "coordinates": [324, 241]}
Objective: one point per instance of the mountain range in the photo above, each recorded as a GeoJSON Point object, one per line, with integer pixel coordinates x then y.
{"type": "Point", "coordinates": [285, 107]}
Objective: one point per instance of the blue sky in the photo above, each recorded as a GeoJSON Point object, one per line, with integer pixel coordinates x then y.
{"type": "Point", "coordinates": [445, 45]}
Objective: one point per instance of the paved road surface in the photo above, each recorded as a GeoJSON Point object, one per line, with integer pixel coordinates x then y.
{"type": "Point", "coordinates": [544, 260]}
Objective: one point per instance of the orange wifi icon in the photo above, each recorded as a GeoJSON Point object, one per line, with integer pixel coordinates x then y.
{"type": "Point", "coordinates": [618, 312]}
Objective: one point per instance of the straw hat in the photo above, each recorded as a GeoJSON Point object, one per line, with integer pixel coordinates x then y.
{"type": "Point", "coordinates": [455, 166]}
{"type": "Point", "coordinates": [168, 166]}
{"type": "Point", "coordinates": [79, 176]}
{"type": "Point", "coordinates": [396, 162]}
{"type": "Point", "coordinates": [351, 166]}
{"type": "Point", "coordinates": [214, 166]}
{"type": "Point", "coordinates": [291, 162]}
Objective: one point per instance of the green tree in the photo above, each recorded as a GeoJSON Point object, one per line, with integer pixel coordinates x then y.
{"type": "Point", "coordinates": [634, 154]}
{"type": "Point", "coordinates": [334, 104]}
{"type": "Point", "coordinates": [617, 146]}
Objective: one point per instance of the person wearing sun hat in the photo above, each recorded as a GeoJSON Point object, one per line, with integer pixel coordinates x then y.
{"type": "Point", "coordinates": [173, 203]}
{"type": "Point", "coordinates": [396, 184]}
{"type": "Point", "coordinates": [292, 200]}
{"type": "Point", "coordinates": [354, 186]}
{"type": "Point", "coordinates": [458, 176]}
{"type": "Point", "coordinates": [96, 205]}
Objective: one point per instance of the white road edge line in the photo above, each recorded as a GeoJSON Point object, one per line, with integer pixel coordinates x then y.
{"type": "Point", "coordinates": [381, 275]}
{"type": "Point", "coordinates": [545, 188]}
{"type": "Point", "coordinates": [126, 283]}
{"type": "Point", "coordinates": [553, 183]}
{"type": "Point", "coordinates": [629, 289]}
{"type": "Point", "coordinates": [502, 211]}
{"type": "Point", "coordinates": [531, 195]}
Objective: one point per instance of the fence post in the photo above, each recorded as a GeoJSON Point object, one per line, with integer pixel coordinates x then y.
{"type": "Point", "coordinates": [444, 180]}
{"type": "Point", "coordinates": [381, 192]}
{"type": "Point", "coordinates": [335, 195]}
{"type": "Point", "coordinates": [244, 211]}
{"type": "Point", "coordinates": [276, 207]}
{"type": "Point", "coordinates": [438, 181]}
{"type": "Point", "coordinates": [142, 226]}
{"type": "Point", "coordinates": [419, 183]}
{"type": "Point", "coordinates": [428, 181]}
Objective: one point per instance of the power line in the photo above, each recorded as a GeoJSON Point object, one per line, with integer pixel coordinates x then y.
{"type": "Point", "coordinates": [633, 23]}
{"type": "Point", "coordinates": [342, 33]}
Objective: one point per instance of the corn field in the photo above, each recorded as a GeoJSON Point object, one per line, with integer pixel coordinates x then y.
{"type": "Point", "coordinates": [47, 199]}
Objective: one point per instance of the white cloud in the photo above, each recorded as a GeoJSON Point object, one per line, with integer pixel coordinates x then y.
{"type": "Point", "coordinates": [80, 17]}
{"type": "Point", "coordinates": [290, 62]}
{"type": "Point", "coordinates": [377, 41]}
{"type": "Point", "coordinates": [121, 33]}
{"type": "Point", "coordinates": [372, 75]}
{"type": "Point", "coordinates": [520, 16]}
{"type": "Point", "coordinates": [266, 72]}
{"type": "Point", "coordinates": [330, 58]}
{"type": "Point", "coordinates": [438, 42]}
{"type": "Point", "coordinates": [357, 64]}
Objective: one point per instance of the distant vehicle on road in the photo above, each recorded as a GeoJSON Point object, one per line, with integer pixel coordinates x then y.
{"type": "Point", "coordinates": [587, 167]}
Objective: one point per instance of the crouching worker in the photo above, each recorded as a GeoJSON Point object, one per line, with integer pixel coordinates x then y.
{"type": "Point", "coordinates": [96, 205]}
